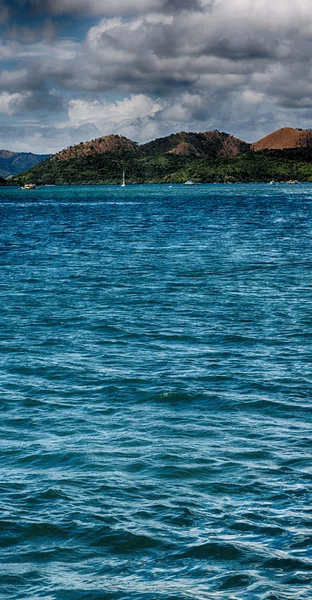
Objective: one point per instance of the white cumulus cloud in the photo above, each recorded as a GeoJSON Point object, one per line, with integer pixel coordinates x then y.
{"type": "Point", "coordinates": [123, 115]}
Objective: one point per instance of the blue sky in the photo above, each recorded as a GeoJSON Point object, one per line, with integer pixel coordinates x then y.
{"type": "Point", "coordinates": [73, 70]}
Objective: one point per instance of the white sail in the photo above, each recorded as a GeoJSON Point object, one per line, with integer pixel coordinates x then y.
{"type": "Point", "coordinates": [123, 179]}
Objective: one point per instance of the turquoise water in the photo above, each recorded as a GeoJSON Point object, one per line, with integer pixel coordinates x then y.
{"type": "Point", "coordinates": [156, 393]}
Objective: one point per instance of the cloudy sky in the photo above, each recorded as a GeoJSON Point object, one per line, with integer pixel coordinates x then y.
{"type": "Point", "coordinates": [73, 70]}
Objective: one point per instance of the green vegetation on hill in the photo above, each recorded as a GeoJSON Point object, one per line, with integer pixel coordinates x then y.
{"type": "Point", "coordinates": [154, 163]}
{"type": "Point", "coordinates": [107, 169]}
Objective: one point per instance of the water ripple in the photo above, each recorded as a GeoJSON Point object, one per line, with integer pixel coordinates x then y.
{"type": "Point", "coordinates": [155, 393]}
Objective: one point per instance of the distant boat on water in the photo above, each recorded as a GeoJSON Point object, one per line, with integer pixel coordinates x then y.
{"type": "Point", "coordinates": [123, 183]}
{"type": "Point", "coordinates": [190, 182]}
{"type": "Point", "coordinates": [29, 186]}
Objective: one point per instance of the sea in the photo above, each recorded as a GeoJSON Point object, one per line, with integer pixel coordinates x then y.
{"type": "Point", "coordinates": [156, 380]}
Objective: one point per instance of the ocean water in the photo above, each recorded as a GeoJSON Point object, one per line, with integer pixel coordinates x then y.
{"type": "Point", "coordinates": [156, 377]}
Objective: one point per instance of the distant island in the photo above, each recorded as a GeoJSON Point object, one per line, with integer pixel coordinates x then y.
{"type": "Point", "coordinates": [12, 163]}
{"type": "Point", "coordinates": [207, 157]}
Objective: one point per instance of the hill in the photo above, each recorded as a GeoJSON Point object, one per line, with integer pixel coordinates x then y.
{"type": "Point", "coordinates": [109, 143]}
{"type": "Point", "coordinates": [102, 160]}
{"type": "Point", "coordinates": [287, 137]}
{"type": "Point", "coordinates": [12, 163]}
{"type": "Point", "coordinates": [208, 144]}
{"type": "Point", "coordinates": [206, 157]}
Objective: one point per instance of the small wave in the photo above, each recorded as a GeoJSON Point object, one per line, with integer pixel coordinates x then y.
{"type": "Point", "coordinates": [288, 564]}
{"type": "Point", "coordinates": [213, 551]}
{"type": "Point", "coordinates": [122, 541]}
{"type": "Point", "coordinates": [235, 581]}
{"type": "Point", "coordinates": [265, 530]}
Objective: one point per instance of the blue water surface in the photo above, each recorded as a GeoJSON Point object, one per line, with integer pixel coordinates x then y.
{"type": "Point", "coordinates": [156, 392]}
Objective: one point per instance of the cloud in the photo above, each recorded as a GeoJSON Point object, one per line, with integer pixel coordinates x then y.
{"type": "Point", "coordinates": [113, 7]}
{"type": "Point", "coordinates": [28, 34]}
{"type": "Point", "coordinates": [4, 13]}
{"type": "Point", "coordinates": [11, 104]}
{"type": "Point", "coordinates": [128, 109]}
{"type": "Point", "coordinates": [43, 139]}
{"type": "Point", "coordinates": [27, 102]}
{"type": "Point", "coordinates": [130, 116]}
{"type": "Point", "coordinates": [148, 67]}
{"type": "Point", "coordinates": [217, 46]}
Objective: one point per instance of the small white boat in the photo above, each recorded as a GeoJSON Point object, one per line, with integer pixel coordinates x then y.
{"type": "Point", "coordinates": [123, 183]}
{"type": "Point", "coordinates": [190, 182]}
{"type": "Point", "coordinates": [29, 186]}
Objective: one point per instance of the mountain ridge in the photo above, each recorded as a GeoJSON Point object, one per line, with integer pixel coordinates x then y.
{"type": "Point", "coordinates": [13, 163]}
{"type": "Point", "coordinates": [205, 157]}
{"type": "Point", "coordinates": [200, 144]}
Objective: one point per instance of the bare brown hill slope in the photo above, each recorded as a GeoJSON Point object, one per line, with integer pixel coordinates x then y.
{"type": "Point", "coordinates": [287, 137]}
{"type": "Point", "coordinates": [109, 143]}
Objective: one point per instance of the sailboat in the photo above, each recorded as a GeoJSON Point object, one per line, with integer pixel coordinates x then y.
{"type": "Point", "coordinates": [123, 179]}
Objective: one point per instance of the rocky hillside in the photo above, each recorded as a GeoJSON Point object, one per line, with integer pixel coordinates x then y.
{"type": "Point", "coordinates": [287, 137]}
{"type": "Point", "coordinates": [13, 163]}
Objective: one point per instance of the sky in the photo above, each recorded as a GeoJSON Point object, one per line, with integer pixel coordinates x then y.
{"type": "Point", "coordinates": [75, 70]}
